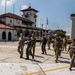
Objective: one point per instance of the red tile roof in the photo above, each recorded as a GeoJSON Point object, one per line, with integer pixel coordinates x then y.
{"type": "Point", "coordinates": [2, 26]}
{"type": "Point", "coordinates": [29, 9]}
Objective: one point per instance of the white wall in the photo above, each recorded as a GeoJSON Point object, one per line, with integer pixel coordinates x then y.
{"type": "Point", "coordinates": [14, 21]}
{"type": "Point", "coordinates": [7, 31]}
{"type": "Point", "coordinates": [31, 16]}
{"type": "Point", "coordinates": [72, 31]}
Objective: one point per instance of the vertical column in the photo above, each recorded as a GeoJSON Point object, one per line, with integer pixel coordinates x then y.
{"type": "Point", "coordinates": [39, 34]}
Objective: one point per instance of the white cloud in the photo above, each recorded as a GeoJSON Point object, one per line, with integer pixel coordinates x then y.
{"type": "Point", "coordinates": [24, 7]}
{"type": "Point", "coordinates": [8, 2]}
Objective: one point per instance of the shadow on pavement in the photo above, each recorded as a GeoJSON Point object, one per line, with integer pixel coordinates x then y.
{"type": "Point", "coordinates": [65, 58]}
{"type": "Point", "coordinates": [49, 55]}
{"type": "Point", "coordinates": [39, 56]}
{"type": "Point", "coordinates": [36, 61]}
{"type": "Point", "coordinates": [64, 62]}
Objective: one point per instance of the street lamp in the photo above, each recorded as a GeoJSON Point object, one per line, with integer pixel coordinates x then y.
{"type": "Point", "coordinates": [42, 30]}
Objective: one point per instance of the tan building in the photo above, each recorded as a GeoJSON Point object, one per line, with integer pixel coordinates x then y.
{"type": "Point", "coordinates": [17, 24]}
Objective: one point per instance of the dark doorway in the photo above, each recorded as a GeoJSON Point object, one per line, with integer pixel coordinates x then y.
{"type": "Point", "coordinates": [9, 36]}
{"type": "Point", "coordinates": [26, 33]}
{"type": "Point", "coordinates": [4, 35]}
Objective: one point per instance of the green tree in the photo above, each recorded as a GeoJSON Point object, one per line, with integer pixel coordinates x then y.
{"type": "Point", "coordinates": [61, 33]}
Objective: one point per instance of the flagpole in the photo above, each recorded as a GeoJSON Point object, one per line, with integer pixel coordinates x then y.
{"type": "Point", "coordinates": [20, 11]}
{"type": "Point", "coordinates": [46, 25]}
{"type": "Point", "coordinates": [5, 20]}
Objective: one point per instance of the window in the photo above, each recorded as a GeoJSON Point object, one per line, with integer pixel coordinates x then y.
{"type": "Point", "coordinates": [18, 22]}
{"type": "Point", "coordinates": [10, 21]}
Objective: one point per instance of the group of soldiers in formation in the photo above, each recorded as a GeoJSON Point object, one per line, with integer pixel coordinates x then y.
{"type": "Point", "coordinates": [59, 45]}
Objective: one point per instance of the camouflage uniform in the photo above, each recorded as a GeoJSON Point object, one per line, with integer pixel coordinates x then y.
{"type": "Point", "coordinates": [33, 44]}
{"type": "Point", "coordinates": [72, 55]}
{"type": "Point", "coordinates": [61, 43]}
{"type": "Point", "coordinates": [48, 42]}
{"type": "Point", "coordinates": [44, 41]}
{"type": "Point", "coordinates": [61, 46]}
{"type": "Point", "coordinates": [64, 44]}
{"type": "Point", "coordinates": [21, 46]}
{"type": "Point", "coordinates": [28, 49]}
{"type": "Point", "coordinates": [57, 48]}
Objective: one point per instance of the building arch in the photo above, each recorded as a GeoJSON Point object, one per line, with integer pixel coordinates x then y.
{"type": "Point", "coordinates": [9, 36]}
{"type": "Point", "coordinates": [3, 35]}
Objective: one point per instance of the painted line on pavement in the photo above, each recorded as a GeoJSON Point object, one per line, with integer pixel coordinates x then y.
{"type": "Point", "coordinates": [54, 69]}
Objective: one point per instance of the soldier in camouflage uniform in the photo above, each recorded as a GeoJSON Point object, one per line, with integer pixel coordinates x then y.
{"type": "Point", "coordinates": [44, 41]}
{"type": "Point", "coordinates": [49, 41]}
{"type": "Point", "coordinates": [56, 45]}
{"type": "Point", "coordinates": [29, 48]}
{"type": "Point", "coordinates": [33, 43]}
{"type": "Point", "coordinates": [72, 54]}
{"type": "Point", "coordinates": [21, 45]}
{"type": "Point", "coordinates": [61, 46]}
{"type": "Point", "coordinates": [64, 43]}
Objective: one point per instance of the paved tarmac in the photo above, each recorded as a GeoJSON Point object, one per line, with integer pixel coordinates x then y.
{"type": "Point", "coordinates": [11, 64]}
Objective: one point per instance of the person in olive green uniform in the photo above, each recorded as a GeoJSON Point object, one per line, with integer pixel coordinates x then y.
{"type": "Point", "coordinates": [64, 43]}
{"type": "Point", "coordinates": [44, 41]}
{"type": "Point", "coordinates": [72, 54]}
{"type": "Point", "coordinates": [29, 48]}
{"type": "Point", "coordinates": [49, 41]}
{"type": "Point", "coordinates": [33, 43]}
{"type": "Point", "coordinates": [61, 46]}
{"type": "Point", "coordinates": [21, 45]}
{"type": "Point", "coordinates": [56, 45]}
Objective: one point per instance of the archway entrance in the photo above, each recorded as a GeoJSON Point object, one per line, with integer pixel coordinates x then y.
{"type": "Point", "coordinates": [9, 36]}
{"type": "Point", "coordinates": [4, 35]}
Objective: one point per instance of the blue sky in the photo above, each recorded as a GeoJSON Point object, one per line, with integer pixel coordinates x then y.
{"type": "Point", "coordinates": [57, 11]}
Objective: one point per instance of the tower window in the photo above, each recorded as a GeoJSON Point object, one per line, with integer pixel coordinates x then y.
{"type": "Point", "coordinates": [18, 22]}
{"type": "Point", "coordinates": [10, 21]}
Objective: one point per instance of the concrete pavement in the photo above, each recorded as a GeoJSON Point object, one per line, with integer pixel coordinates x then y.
{"type": "Point", "coordinates": [11, 64]}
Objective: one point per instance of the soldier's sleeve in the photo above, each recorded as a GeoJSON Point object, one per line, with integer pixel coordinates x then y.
{"type": "Point", "coordinates": [26, 42]}
{"type": "Point", "coordinates": [19, 40]}
{"type": "Point", "coordinates": [71, 47]}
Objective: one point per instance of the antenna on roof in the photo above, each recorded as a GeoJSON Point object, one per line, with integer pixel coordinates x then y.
{"type": "Point", "coordinates": [20, 10]}
{"type": "Point", "coordinates": [29, 5]}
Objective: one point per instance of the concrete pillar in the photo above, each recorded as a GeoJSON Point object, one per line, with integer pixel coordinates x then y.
{"type": "Point", "coordinates": [39, 34]}
{"type": "Point", "coordinates": [72, 30]}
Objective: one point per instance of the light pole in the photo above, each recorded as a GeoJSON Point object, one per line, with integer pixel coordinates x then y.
{"type": "Point", "coordinates": [5, 20]}
{"type": "Point", "coordinates": [42, 30]}
{"type": "Point", "coordinates": [13, 20]}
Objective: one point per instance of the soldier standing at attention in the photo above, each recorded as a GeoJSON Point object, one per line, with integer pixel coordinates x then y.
{"type": "Point", "coordinates": [29, 47]}
{"type": "Point", "coordinates": [44, 41]}
{"type": "Point", "coordinates": [21, 45]}
{"type": "Point", "coordinates": [72, 54]}
{"type": "Point", "coordinates": [64, 43]}
{"type": "Point", "coordinates": [56, 45]}
{"type": "Point", "coordinates": [33, 43]}
{"type": "Point", "coordinates": [49, 42]}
